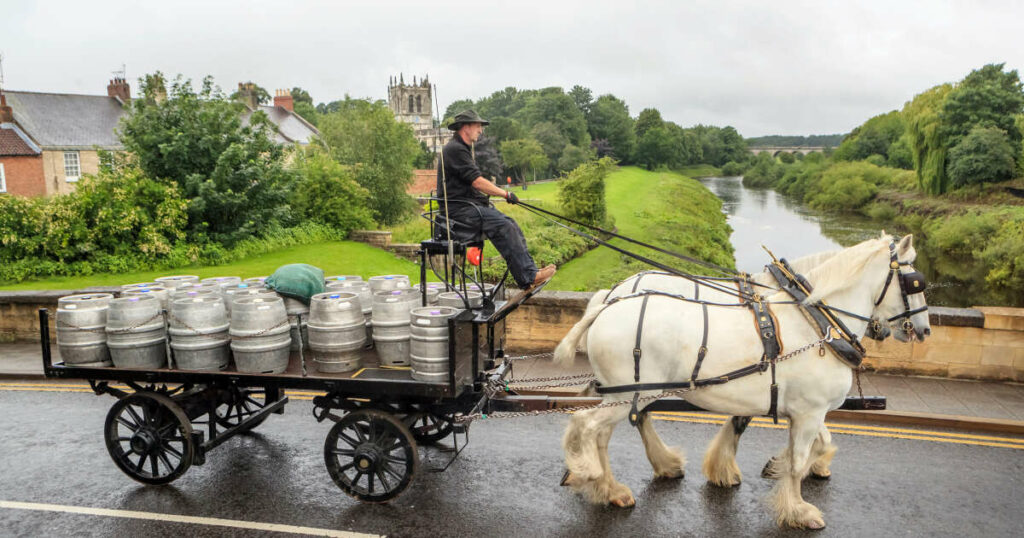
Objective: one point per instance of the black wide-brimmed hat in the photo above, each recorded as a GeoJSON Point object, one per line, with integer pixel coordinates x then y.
{"type": "Point", "coordinates": [466, 116]}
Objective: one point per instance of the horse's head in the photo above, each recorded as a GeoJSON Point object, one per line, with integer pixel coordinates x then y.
{"type": "Point", "coordinates": [901, 300]}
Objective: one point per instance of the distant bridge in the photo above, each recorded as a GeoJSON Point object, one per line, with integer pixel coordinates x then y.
{"type": "Point", "coordinates": [776, 150]}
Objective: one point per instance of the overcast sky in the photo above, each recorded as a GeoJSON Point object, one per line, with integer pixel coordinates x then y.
{"type": "Point", "coordinates": [764, 67]}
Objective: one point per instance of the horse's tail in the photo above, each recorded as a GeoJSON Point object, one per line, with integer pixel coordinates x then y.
{"type": "Point", "coordinates": [566, 350]}
{"type": "Point", "coordinates": [596, 300]}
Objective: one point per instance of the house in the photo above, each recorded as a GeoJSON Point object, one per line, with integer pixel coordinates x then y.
{"type": "Point", "coordinates": [49, 140]}
{"type": "Point", "coordinates": [291, 127]}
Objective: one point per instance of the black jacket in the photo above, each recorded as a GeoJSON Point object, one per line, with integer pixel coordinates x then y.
{"type": "Point", "coordinates": [460, 170]}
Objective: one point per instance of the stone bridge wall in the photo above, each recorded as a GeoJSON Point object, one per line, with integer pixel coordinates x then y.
{"type": "Point", "coordinates": [970, 343]}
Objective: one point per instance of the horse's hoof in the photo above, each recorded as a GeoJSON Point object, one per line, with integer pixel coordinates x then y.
{"type": "Point", "coordinates": [675, 474]}
{"type": "Point", "coordinates": [624, 501]}
{"type": "Point", "coordinates": [821, 476]}
{"type": "Point", "coordinates": [815, 524]}
{"type": "Point", "coordinates": [566, 478]}
{"type": "Point", "coordinates": [766, 472]}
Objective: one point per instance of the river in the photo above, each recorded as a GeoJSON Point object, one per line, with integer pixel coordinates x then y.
{"type": "Point", "coordinates": [791, 230]}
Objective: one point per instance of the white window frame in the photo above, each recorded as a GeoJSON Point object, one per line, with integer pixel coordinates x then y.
{"type": "Point", "coordinates": [3, 179]}
{"type": "Point", "coordinates": [70, 178]}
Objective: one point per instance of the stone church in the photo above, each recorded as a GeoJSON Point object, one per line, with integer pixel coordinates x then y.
{"type": "Point", "coordinates": [413, 104]}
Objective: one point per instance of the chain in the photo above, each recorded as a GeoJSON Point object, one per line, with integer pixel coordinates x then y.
{"type": "Point", "coordinates": [856, 374]}
{"type": "Point", "coordinates": [261, 332]}
{"type": "Point", "coordinates": [494, 387]}
{"type": "Point", "coordinates": [120, 330]}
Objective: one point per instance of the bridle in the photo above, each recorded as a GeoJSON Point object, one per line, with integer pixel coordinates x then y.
{"type": "Point", "coordinates": [910, 283]}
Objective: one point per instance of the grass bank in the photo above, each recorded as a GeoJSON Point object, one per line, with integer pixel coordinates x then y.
{"type": "Point", "coordinates": [666, 209]}
{"type": "Point", "coordinates": [334, 257]}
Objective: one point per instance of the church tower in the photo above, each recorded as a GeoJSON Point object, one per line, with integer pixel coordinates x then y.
{"type": "Point", "coordinates": [411, 103]}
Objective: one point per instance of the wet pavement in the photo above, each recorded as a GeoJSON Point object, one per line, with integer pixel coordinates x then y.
{"type": "Point", "coordinates": [504, 484]}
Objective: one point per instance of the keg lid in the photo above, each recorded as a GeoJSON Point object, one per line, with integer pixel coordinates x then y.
{"type": "Point", "coordinates": [435, 312]}
{"type": "Point", "coordinates": [133, 299]}
{"type": "Point", "coordinates": [335, 296]}
{"type": "Point", "coordinates": [389, 277]}
{"type": "Point", "coordinates": [243, 286]}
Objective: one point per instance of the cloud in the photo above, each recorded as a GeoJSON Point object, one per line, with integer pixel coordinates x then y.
{"type": "Point", "coordinates": [765, 68]}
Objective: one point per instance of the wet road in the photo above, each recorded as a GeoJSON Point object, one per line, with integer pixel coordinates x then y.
{"type": "Point", "coordinates": [505, 483]}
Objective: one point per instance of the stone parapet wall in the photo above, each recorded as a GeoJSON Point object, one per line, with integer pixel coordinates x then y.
{"type": "Point", "coordinates": [968, 343]}
{"type": "Point", "coordinates": [379, 239]}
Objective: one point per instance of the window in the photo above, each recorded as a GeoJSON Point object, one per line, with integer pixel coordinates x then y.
{"type": "Point", "coordinates": [410, 103]}
{"type": "Point", "coordinates": [3, 179]}
{"type": "Point", "coordinates": [72, 169]}
{"type": "Point", "coordinates": [419, 103]}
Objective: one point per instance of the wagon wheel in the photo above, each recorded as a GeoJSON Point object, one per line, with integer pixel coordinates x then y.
{"type": "Point", "coordinates": [371, 455]}
{"type": "Point", "coordinates": [239, 405]}
{"type": "Point", "coordinates": [429, 428]}
{"type": "Point", "coordinates": [149, 438]}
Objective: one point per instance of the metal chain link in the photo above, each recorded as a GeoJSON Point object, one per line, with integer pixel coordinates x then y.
{"type": "Point", "coordinates": [62, 323]}
{"type": "Point", "coordinates": [494, 387]}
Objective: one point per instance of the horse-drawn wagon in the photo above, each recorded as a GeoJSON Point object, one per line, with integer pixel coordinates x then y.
{"type": "Point", "coordinates": [168, 419]}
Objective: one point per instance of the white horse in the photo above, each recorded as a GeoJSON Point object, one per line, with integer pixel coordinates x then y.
{"type": "Point", "coordinates": [809, 385]}
{"type": "Point", "coordinates": [719, 465]}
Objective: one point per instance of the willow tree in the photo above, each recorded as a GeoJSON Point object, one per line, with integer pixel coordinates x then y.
{"type": "Point", "coordinates": [927, 136]}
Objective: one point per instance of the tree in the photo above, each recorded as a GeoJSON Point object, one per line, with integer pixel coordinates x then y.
{"type": "Point", "coordinates": [874, 137]}
{"type": "Point", "coordinates": [602, 148]}
{"type": "Point", "coordinates": [328, 193]}
{"type": "Point", "coordinates": [364, 134]}
{"type": "Point", "coordinates": [554, 106]}
{"type": "Point", "coordinates": [488, 159]}
{"type": "Point", "coordinates": [984, 155]}
{"type": "Point", "coordinates": [655, 148]}
{"type": "Point", "coordinates": [987, 97]}
{"type": "Point", "coordinates": [573, 156]}
{"type": "Point", "coordinates": [457, 106]}
{"type": "Point", "coordinates": [649, 118]}
{"type": "Point", "coordinates": [928, 143]}
{"type": "Point", "coordinates": [609, 119]}
{"type": "Point", "coordinates": [424, 157]}
{"type": "Point", "coordinates": [232, 175]}
{"type": "Point", "coordinates": [504, 129]}
{"type": "Point", "coordinates": [261, 94]}
{"type": "Point", "coordinates": [301, 96]}
{"type": "Point", "coordinates": [550, 139]}
{"type": "Point", "coordinates": [583, 98]}
{"type": "Point", "coordinates": [524, 154]}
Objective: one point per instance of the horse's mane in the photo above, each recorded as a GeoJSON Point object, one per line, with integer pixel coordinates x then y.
{"type": "Point", "coordinates": [810, 261]}
{"type": "Point", "coordinates": [842, 270]}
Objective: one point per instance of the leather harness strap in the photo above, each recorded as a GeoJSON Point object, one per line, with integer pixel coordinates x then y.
{"type": "Point", "coordinates": [634, 417]}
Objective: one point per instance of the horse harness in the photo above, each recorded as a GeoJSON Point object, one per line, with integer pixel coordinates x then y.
{"type": "Point", "coordinates": [766, 326]}
{"type": "Point", "coordinates": [843, 342]}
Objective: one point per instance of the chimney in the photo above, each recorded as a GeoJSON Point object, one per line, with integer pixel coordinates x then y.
{"type": "Point", "coordinates": [283, 99]}
{"type": "Point", "coordinates": [6, 112]}
{"type": "Point", "coordinates": [247, 94]}
{"type": "Point", "coordinates": [119, 89]}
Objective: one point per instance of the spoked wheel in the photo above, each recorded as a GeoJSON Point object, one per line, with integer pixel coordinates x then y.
{"type": "Point", "coordinates": [371, 455]}
{"type": "Point", "coordinates": [149, 438]}
{"type": "Point", "coordinates": [429, 428]}
{"type": "Point", "coordinates": [239, 404]}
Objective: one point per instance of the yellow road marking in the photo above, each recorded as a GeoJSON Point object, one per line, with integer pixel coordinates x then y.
{"type": "Point", "coordinates": [831, 425]}
{"type": "Point", "coordinates": [174, 518]}
{"type": "Point", "coordinates": [922, 435]}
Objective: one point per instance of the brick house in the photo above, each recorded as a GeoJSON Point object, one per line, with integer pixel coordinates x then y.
{"type": "Point", "coordinates": [49, 140]}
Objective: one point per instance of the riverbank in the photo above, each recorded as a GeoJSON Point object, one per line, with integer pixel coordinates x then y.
{"type": "Point", "coordinates": [969, 241]}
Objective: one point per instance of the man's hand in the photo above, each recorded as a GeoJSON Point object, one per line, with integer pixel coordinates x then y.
{"type": "Point", "coordinates": [511, 197]}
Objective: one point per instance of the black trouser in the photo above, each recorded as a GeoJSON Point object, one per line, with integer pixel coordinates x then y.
{"type": "Point", "coordinates": [503, 232]}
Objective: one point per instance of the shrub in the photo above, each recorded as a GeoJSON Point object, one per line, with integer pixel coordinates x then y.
{"type": "Point", "coordinates": [326, 192]}
{"type": "Point", "coordinates": [733, 168]}
{"type": "Point", "coordinates": [581, 192]}
{"type": "Point", "coordinates": [764, 173]}
{"type": "Point", "coordinates": [984, 155]}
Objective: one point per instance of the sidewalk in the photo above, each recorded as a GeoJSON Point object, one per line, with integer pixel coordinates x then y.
{"type": "Point", "coordinates": [977, 399]}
